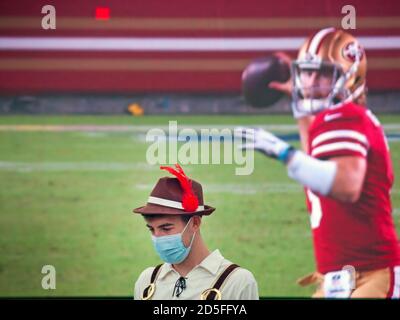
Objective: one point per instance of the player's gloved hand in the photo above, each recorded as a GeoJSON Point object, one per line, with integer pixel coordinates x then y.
{"type": "Point", "coordinates": [287, 87]}
{"type": "Point", "coordinates": [265, 142]}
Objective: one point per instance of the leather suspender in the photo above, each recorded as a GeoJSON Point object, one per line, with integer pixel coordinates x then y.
{"type": "Point", "coordinates": [214, 293]}
{"type": "Point", "coordinates": [149, 290]}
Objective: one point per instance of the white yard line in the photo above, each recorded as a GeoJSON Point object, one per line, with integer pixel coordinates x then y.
{"type": "Point", "coordinates": [129, 128]}
{"type": "Point", "coordinates": [72, 166]}
{"type": "Point", "coordinates": [232, 188]}
{"type": "Point", "coordinates": [145, 128]}
{"type": "Point", "coordinates": [242, 188]}
{"type": "Point", "coordinates": [247, 188]}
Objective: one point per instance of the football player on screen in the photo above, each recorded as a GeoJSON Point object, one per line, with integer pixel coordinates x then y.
{"type": "Point", "coordinates": [345, 167]}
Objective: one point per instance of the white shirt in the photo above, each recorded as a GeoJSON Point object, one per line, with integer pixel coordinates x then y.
{"type": "Point", "coordinates": [240, 284]}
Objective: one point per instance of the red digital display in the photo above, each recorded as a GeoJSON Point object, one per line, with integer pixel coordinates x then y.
{"type": "Point", "coordinates": [102, 13]}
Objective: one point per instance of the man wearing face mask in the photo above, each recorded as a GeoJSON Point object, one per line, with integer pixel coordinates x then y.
{"type": "Point", "coordinates": [173, 214]}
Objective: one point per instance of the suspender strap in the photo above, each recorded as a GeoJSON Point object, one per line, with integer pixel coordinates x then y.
{"type": "Point", "coordinates": [155, 273]}
{"type": "Point", "coordinates": [220, 281]}
{"type": "Point", "coordinates": [146, 294]}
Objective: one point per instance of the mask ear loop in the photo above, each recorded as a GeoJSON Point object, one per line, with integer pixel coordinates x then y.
{"type": "Point", "coordinates": [183, 231]}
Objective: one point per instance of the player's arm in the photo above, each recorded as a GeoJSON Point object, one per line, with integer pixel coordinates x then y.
{"type": "Point", "coordinates": [349, 178]}
{"type": "Point", "coordinates": [340, 177]}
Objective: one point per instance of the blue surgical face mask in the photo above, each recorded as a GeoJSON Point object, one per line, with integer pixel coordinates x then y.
{"type": "Point", "coordinates": [171, 248]}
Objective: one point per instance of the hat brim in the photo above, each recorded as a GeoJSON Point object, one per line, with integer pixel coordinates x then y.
{"type": "Point", "coordinates": [151, 208]}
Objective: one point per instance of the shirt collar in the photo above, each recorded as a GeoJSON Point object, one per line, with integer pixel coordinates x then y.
{"type": "Point", "coordinates": [166, 269]}
{"type": "Point", "coordinates": [211, 263]}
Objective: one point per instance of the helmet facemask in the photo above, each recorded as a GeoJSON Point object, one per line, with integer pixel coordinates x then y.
{"type": "Point", "coordinates": [319, 85]}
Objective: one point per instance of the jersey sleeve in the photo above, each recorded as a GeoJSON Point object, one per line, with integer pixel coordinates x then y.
{"type": "Point", "coordinates": [339, 134]}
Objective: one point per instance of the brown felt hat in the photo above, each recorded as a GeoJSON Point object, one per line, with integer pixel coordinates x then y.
{"type": "Point", "coordinates": [166, 198]}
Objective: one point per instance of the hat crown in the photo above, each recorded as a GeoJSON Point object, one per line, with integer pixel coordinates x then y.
{"type": "Point", "coordinates": [170, 189]}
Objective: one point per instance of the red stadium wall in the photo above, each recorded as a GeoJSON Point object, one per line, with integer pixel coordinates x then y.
{"type": "Point", "coordinates": [175, 45]}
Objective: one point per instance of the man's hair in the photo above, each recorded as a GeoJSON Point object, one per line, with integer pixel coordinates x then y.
{"type": "Point", "coordinates": [185, 217]}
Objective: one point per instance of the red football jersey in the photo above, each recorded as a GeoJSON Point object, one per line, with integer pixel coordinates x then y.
{"type": "Point", "coordinates": [360, 234]}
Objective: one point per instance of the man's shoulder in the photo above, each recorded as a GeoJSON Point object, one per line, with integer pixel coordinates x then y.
{"type": "Point", "coordinates": [241, 284]}
{"type": "Point", "coordinates": [240, 274]}
{"type": "Point", "coordinates": [348, 116]}
{"type": "Point", "coordinates": [146, 274]}
{"type": "Point", "coordinates": [144, 278]}
{"type": "Point", "coordinates": [244, 275]}
{"type": "Point", "coordinates": [349, 109]}
{"type": "Point", "coordinates": [143, 281]}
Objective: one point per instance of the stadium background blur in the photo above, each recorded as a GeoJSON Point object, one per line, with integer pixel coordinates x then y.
{"type": "Point", "coordinates": [76, 103]}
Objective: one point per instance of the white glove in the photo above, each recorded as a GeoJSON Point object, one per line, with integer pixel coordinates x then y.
{"type": "Point", "coordinates": [265, 142]}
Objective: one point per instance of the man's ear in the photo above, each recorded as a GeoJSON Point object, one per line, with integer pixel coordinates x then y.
{"type": "Point", "coordinates": [196, 223]}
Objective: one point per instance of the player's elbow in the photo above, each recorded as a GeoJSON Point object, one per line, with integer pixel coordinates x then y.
{"type": "Point", "coordinates": [353, 197]}
{"type": "Point", "coordinates": [349, 179]}
{"type": "Point", "coordinates": [349, 196]}
{"type": "Point", "coordinates": [348, 191]}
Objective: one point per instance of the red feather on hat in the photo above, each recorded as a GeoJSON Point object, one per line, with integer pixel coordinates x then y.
{"type": "Point", "coordinates": [189, 200]}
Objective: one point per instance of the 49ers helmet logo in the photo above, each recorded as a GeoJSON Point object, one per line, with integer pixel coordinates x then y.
{"type": "Point", "coordinates": [353, 50]}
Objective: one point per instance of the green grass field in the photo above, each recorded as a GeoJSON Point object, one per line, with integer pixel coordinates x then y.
{"type": "Point", "coordinates": [66, 200]}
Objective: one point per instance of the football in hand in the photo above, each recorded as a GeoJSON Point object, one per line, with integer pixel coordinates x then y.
{"type": "Point", "coordinates": [257, 76]}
